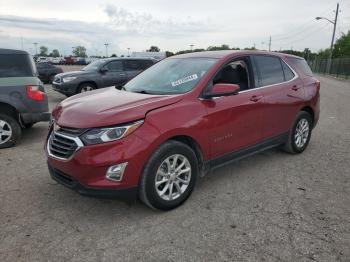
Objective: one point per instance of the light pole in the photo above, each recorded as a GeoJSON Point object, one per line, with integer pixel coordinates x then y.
{"type": "Point", "coordinates": [329, 62]}
{"type": "Point", "coordinates": [36, 48]}
{"type": "Point", "coordinates": [191, 47]}
{"type": "Point", "coordinates": [106, 45]}
{"type": "Point", "coordinates": [128, 51]}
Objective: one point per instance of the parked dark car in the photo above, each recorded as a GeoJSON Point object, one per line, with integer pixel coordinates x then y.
{"type": "Point", "coordinates": [101, 73]}
{"type": "Point", "coordinates": [47, 72]}
{"type": "Point", "coordinates": [23, 101]}
{"type": "Point", "coordinates": [180, 118]}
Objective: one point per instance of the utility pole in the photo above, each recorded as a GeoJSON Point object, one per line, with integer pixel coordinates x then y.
{"type": "Point", "coordinates": [334, 22]}
{"type": "Point", "coordinates": [332, 43]}
{"type": "Point", "coordinates": [36, 48]}
{"type": "Point", "coordinates": [106, 45]}
{"type": "Point", "coordinates": [270, 44]}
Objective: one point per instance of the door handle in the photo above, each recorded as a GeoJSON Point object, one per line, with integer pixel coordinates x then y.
{"type": "Point", "coordinates": [122, 74]}
{"type": "Point", "coordinates": [295, 88]}
{"type": "Point", "coordinates": [255, 98]}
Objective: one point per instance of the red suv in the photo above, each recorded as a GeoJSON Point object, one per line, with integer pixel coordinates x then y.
{"type": "Point", "coordinates": [177, 120]}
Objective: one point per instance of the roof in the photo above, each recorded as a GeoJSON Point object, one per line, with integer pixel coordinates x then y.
{"type": "Point", "coordinates": [4, 51]}
{"type": "Point", "coordinates": [228, 53]}
{"type": "Point", "coordinates": [126, 58]}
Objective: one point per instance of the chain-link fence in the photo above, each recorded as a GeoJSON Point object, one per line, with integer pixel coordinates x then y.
{"type": "Point", "coordinates": [339, 67]}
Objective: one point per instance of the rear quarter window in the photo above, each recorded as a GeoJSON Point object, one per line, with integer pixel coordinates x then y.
{"type": "Point", "coordinates": [302, 65]}
{"type": "Point", "coordinates": [270, 69]}
{"type": "Point", "coordinates": [13, 65]}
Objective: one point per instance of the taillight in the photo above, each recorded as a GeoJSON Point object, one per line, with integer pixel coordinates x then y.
{"type": "Point", "coordinates": [34, 93]}
{"type": "Point", "coordinates": [318, 85]}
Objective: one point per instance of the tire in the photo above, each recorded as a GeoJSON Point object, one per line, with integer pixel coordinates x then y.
{"type": "Point", "coordinates": [10, 131]}
{"type": "Point", "coordinates": [85, 87]}
{"type": "Point", "coordinates": [293, 145]}
{"type": "Point", "coordinates": [50, 79]}
{"type": "Point", "coordinates": [156, 170]}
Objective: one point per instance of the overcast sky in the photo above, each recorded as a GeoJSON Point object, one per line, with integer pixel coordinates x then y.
{"type": "Point", "coordinates": [169, 24]}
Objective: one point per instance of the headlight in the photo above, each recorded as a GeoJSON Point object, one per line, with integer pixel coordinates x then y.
{"type": "Point", "coordinates": [69, 78]}
{"type": "Point", "coordinates": [107, 134]}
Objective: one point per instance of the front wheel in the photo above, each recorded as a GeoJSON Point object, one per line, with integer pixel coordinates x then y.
{"type": "Point", "coordinates": [169, 176]}
{"type": "Point", "coordinates": [86, 87]}
{"type": "Point", "coordinates": [300, 134]}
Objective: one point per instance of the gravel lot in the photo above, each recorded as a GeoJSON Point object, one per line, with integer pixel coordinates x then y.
{"type": "Point", "coordinates": [269, 207]}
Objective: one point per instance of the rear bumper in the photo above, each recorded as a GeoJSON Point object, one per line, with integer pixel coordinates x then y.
{"type": "Point", "coordinates": [28, 118]}
{"type": "Point", "coordinates": [73, 184]}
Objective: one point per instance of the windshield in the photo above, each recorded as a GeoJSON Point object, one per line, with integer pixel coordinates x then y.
{"type": "Point", "coordinates": [171, 76]}
{"type": "Point", "coordinates": [13, 65]}
{"type": "Point", "coordinates": [94, 66]}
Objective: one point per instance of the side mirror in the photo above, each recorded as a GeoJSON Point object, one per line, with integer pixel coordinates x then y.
{"type": "Point", "coordinates": [222, 90]}
{"type": "Point", "coordinates": [103, 70]}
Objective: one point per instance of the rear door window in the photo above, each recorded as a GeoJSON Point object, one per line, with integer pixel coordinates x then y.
{"type": "Point", "coordinates": [16, 65]}
{"type": "Point", "coordinates": [135, 65]}
{"type": "Point", "coordinates": [270, 70]}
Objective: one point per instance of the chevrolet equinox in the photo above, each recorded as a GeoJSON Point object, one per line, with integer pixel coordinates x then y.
{"type": "Point", "coordinates": [179, 119]}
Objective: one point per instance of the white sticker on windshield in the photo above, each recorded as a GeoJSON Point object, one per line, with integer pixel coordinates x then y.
{"type": "Point", "coordinates": [184, 80]}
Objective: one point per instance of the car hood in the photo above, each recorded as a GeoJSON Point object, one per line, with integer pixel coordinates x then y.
{"type": "Point", "coordinates": [107, 107]}
{"type": "Point", "coordinates": [74, 73]}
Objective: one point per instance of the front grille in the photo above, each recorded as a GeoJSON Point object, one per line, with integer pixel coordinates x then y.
{"type": "Point", "coordinates": [61, 147]}
{"type": "Point", "coordinates": [71, 131]}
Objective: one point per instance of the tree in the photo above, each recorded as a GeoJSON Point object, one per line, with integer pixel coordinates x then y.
{"type": "Point", "coordinates": [342, 46]}
{"type": "Point", "coordinates": [215, 48]}
{"type": "Point", "coordinates": [113, 55]}
{"type": "Point", "coordinates": [43, 50]}
{"type": "Point", "coordinates": [79, 51]}
{"type": "Point", "coordinates": [55, 53]}
{"type": "Point", "coordinates": [168, 53]}
{"type": "Point", "coordinates": [153, 49]}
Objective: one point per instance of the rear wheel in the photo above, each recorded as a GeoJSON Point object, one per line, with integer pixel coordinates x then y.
{"type": "Point", "coordinates": [86, 87]}
{"type": "Point", "coordinates": [10, 131]}
{"type": "Point", "coordinates": [169, 176]}
{"type": "Point", "coordinates": [300, 134]}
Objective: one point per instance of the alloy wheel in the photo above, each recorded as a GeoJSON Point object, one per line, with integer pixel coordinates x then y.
{"type": "Point", "coordinates": [86, 89]}
{"type": "Point", "coordinates": [301, 134]}
{"type": "Point", "coordinates": [173, 177]}
{"type": "Point", "coordinates": [5, 132]}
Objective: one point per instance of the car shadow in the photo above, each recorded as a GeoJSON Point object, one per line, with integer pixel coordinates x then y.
{"type": "Point", "coordinates": [34, 135]}
{"type": "Point", "coordinates": [102, 207]}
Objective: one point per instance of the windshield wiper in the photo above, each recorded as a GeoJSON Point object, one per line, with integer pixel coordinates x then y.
{"type": "Point", "coordinates": [141, 91]}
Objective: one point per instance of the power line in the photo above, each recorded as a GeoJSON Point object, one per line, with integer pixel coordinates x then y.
{"type": "Point", "coordinates": [301, 29]}
{"type": "Point", "coordinates": [308, 36]}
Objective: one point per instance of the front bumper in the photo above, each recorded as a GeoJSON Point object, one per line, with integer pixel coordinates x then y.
{"type": "Point", "coordinates": [68, 88]}
{"type": "Point", "coordinates": [70, 182]}
{"type": "Point", "coordinates": [88, 166]}
{"type": "Point", "coordinates": [28, 118]}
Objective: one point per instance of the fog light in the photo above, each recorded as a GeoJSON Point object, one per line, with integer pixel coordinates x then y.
{"type": "Point", "coordinates": [115, 173]}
